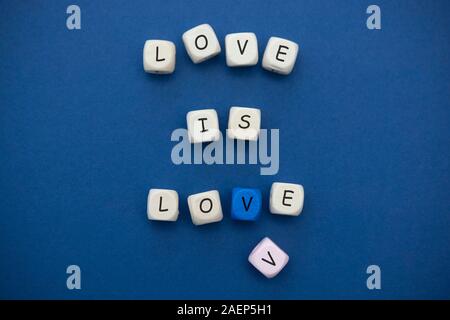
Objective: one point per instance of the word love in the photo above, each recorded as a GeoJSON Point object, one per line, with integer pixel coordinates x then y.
{"type": "Point", "coordinates": [201, 44]}
{"type": "Point", "coordinates": [246, 204]}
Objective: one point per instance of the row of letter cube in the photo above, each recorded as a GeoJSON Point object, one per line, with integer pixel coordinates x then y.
{"type": "Point", "coordinates": [202, 44]}
{"type": "Point", "coordinates": [243, 124]}
{"type": "Point", "coordinates": [246, 203]}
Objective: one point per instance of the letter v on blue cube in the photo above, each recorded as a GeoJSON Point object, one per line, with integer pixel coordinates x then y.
{"type": "Point", "coordinates": [246, 204]}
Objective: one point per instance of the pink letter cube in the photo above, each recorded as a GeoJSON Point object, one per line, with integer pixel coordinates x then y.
{"type": "Point", "coordinates": [268, 258]}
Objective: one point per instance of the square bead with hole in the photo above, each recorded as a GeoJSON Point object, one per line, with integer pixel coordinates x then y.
{"type": "Point", "coordinates": [280, 55]}
{"type": "Point", "coordinates": [244, 123]}
{"type": "Point", "coordinates": [162, 205]}
{"type": "Point", "coordinates": [241, 49]}
{"type": "Point", "coordinates": [268, 258]}
{"type": "Point", "coordinates": [201, 43]}
{"type": "Point", "coordinates": [205, 207]}
{"type": "Point", "coordinates": [203, 126]}
{"type": "Point", "coordinates": [286, 198]}
{"type": "Point", "coordinates": [159, 56]}
{"type": "Point", "coordinates": [246, 204]}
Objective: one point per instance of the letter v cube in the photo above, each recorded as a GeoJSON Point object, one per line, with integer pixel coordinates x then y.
{"type": "Point", "coordinates": [268, 258]}
{"type": "Point", "coordinates": [246, 204]}
{"type": "Point", "coordinates": [241, 49]}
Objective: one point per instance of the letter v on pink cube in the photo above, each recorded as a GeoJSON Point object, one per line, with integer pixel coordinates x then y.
{"type": "Point", "coordinates": [268, 258]}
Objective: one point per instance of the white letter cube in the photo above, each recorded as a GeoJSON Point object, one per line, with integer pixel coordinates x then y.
{"type": "Point", "coordinates": [159, 56]}
{"type": "Point", "coordinates": [280, 55]}
{"type": "Point", "coordinates": [241, 49]}
{"type": "Point", "coordinates": [162, 204]}
{"type": "Point", "coordinates": [244, 123]}
{"type": "Point", "coordinates": [205, 207]}
{"type": "Point", "coordinates": [268, 258]}
{"type": "Point", "coordinates": [203, 125]}
{"type": "Point", "coordinates": [201, 43]}
{"type": "Point", "coordinates": [286, 198]}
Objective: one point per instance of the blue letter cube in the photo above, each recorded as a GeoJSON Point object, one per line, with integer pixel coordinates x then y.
{"type": "Point", "coordinates": [246, 204]}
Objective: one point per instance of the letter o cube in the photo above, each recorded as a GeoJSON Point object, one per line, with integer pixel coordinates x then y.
{"type": "Point", "coordinates": [201, 43]}
{"type": "Point", "coordinates": [205, 207]}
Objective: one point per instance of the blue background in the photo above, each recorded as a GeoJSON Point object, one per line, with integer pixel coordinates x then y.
{"type": "Point", "coordinates": [84, 133]}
